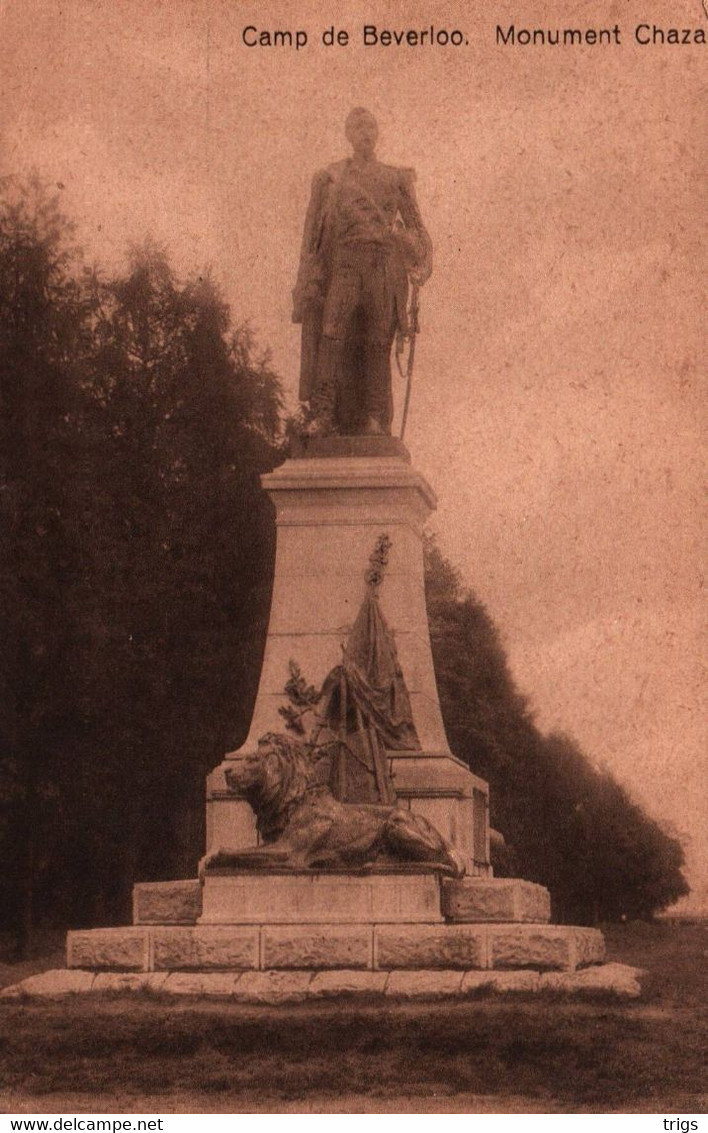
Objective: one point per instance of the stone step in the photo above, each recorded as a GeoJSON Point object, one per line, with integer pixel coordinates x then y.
{"type": "Point", "coordinates": [167, 902]}
{"type": "Point", "coordinates": [273, 987]}
{"type": "Point", "coordinates": [260, 897]}
{"type": "Point", "coordinates": [483, 900]}
{"type": "Point", "coordinates": [245, 898]}
{"type": "Point", "coordinates": [322, 946]}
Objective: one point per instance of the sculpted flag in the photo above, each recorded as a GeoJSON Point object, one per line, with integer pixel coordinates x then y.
{"type": "Point", "coordinates": [366, 705]}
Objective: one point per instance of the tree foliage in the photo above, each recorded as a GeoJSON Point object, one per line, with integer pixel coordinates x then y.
{"type": "Point", "coordinates": [44, 346]}
{"type": "Point", "coordinates": [136, 569]}
{"type": "Point", "coordinates": [569, 825]}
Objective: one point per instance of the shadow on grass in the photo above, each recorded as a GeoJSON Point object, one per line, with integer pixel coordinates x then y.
{"type": "Point", "coordinates": [48, 951]}
{"type": "Point", "coordinates": [580, 1054]}
{"type": "Point", "coordinates": [673, 955]}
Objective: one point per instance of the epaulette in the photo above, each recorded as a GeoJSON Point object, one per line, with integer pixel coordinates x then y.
{"type": "Point", "coordinates": [335, 169]}
{"type": "Point", "coordinates": [404, 174]}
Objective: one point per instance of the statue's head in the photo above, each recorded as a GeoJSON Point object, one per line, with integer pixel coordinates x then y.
{"type": "Point", "coordinates": [362, 131]}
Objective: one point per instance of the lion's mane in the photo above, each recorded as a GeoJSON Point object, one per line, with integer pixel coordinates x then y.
{"type": "Point", "coordinates": [287, 774]}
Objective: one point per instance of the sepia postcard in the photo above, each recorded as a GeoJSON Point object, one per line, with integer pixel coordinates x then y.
{"type": "Point", "coordinates": [459, 251]}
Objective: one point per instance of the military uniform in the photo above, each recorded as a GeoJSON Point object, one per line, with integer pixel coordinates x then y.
{"type": "Point", "coordinates": [363, 234]}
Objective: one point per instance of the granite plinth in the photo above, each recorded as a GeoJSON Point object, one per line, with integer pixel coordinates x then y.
{"type": "Point", "coordinates": [112, 949]}
{"type": "Point", "coordinates": [193, 949]}
{"type": "Point", "coordinates": [472, 900]}
{"type": "Point", "coordinates": [273, 987]}
{"type": "Point", "coordinates": [167, 902]}
{"type": "Point", "coordinates": [321, 947]}
{"type": "Point", "coordinates": [430, 946]}
{"type": "Point", "coordinates": [369, 946]}
{"type": "Point", "coordinates": [500, 899]}
{"type": "Point", "coordinates": [360, 446]}
{"type": "Point", "coordinates": [296, 898]}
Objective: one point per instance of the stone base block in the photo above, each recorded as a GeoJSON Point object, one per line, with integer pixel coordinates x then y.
{"type": "Point", "coordinates": [167, 902]}
{"type": "Point", "coordinates": [273, 987]}
{"type": "Point", "coordinates": [544, 947]}
{"type": "Point", "coordinates": [488, 900]}
{"type": "Point", "coordinates": [46, 985]}
{"type": "Point", "coordinates": [110, 949]}
{"type": "Point", "coordinates": [202, 949]}
{"type": "Point", "coordinates": [430, 946]}
{"type": "Point", "coordinates": [479, 982]}
{"type": "Point", "coordinates": [302, 898]}
{"type": "Point", "coordinates": [589, 947]}
{"type": "Point", "coordinates": [347, 984]}
{"type": "Point", "coordinates": [317, 946]}
{"type": "Point", "coordinates": [217, 985]}
{"type": "Point", "coordinates": [424, 985]}
{"type": "Point", "coordinates": [471, 900]}
{"type": "Point", "coordinates": [461, 946]}
{"type": "Point", "coordinates": [296, 986]}
{"type": "Point", "coordinates": [391, 946]}
{"type": "Point", "coordinates": [619, 979]}
{"type": "Point", "coordinates": [128, 981]}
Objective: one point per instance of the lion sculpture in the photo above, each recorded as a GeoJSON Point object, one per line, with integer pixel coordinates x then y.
{"type": "Point", "coordinates": [303, 826]}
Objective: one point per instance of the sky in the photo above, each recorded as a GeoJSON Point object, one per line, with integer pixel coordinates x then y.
{"type": "Point", "coordinates": [558, 396]}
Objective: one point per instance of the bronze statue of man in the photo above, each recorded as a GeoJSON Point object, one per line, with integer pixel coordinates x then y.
{"type": "Point", "coordinates": [364, 242]}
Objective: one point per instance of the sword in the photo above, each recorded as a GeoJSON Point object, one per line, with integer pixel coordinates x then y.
{"type": "Point", "coordinates": [415, 329]}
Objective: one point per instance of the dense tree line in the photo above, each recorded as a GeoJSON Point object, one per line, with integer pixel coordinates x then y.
{"type": "Point", "coordinates": [135, 565]}
{"type": "Point", "coordinates": [135, 571]}
{"type": "Point", "coordinates": [566, 824]}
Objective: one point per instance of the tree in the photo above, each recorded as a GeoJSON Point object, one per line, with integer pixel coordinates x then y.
{"type": "Point", "coordinates": [570, 826]}
{"type": "Point", "coordinates": [44, 345]}
{"type": "Point", "coordinates": [181, 416]}
{"type": "Point", "coordinates": [487, 720]}
{"type": "Point", "coordinates": [135, 578]}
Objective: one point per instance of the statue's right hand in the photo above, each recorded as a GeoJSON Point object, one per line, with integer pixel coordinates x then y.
{"type": "Point", "coordinates": [420, 275]}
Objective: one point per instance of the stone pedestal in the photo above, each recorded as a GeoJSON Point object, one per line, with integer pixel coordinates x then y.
{"type": "Point", "coordinates": [401, 930]}
{"type": "Point", "coordinates": [302, 898]}
{"type": "Point", "coordinates": [332, 504]}
{"type": "Point", "coordinates": [388, 946]}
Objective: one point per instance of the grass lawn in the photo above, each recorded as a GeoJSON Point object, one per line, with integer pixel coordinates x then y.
{"type": "Point", "coordinates": [144, 1053]}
